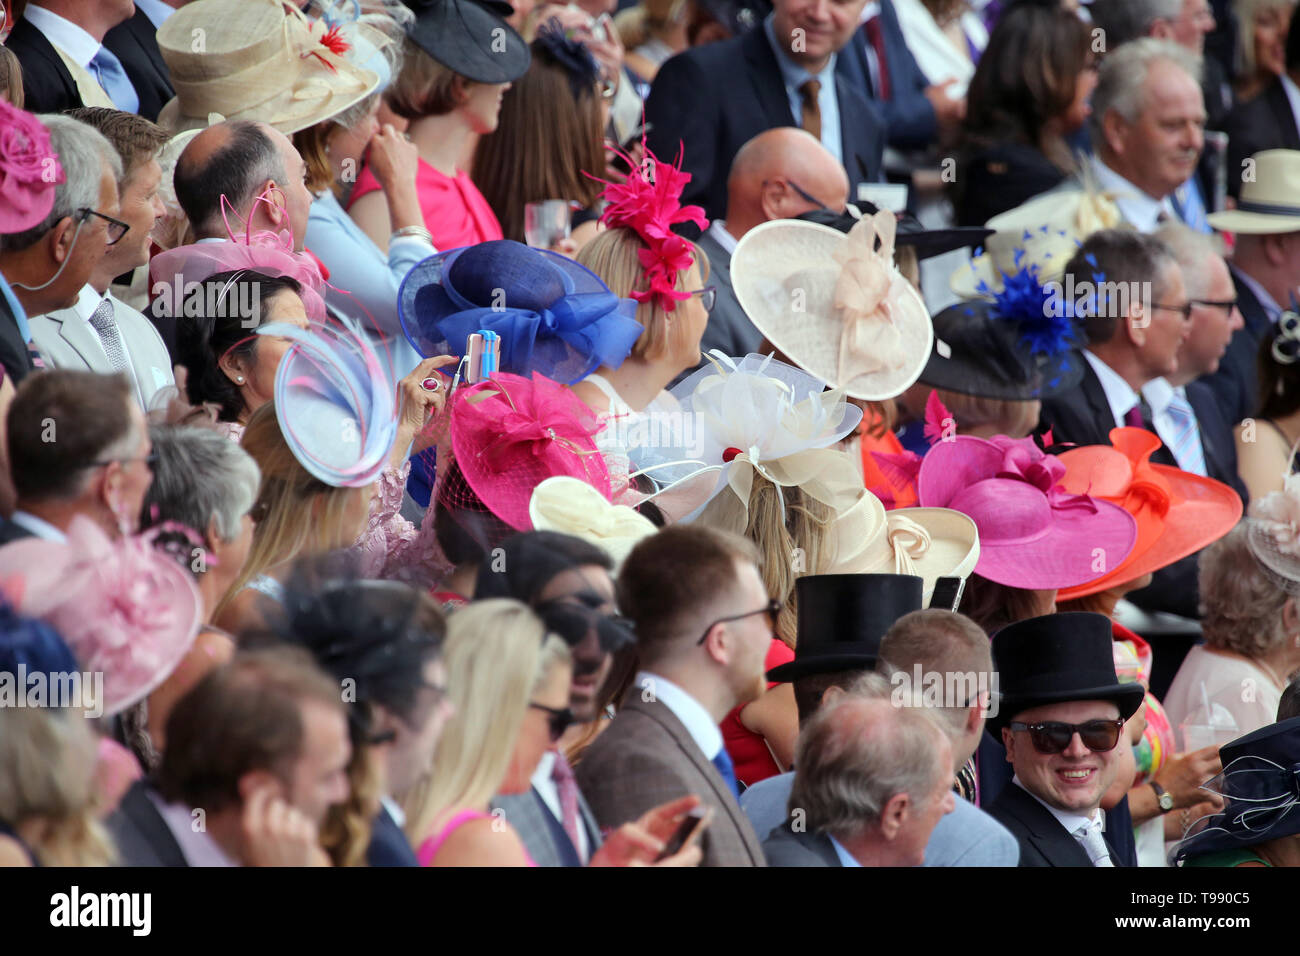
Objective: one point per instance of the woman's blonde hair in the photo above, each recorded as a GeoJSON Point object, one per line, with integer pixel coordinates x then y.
{"type": "Point", "coordinates": [1246, 11]}
{"type": "Point", "coordinates": [1015, 419]}
{"type": "Point", "coordinates": [497, 653]}
{"type": "Point", "coordinates": [614, 255]}
{"type": "Point", "coordinates": [286, 525]}
{"type": "Point", "coordinates": [47, 773]}
{"type": "Point", "coordinates": [793, 540]}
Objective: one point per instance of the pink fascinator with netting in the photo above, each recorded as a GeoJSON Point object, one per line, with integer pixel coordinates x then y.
{"type": "Point", "coordinates": [126, 610]}
{"type": "Point", "coordinates": [649, 202]}
{"type": "Point", "coordinates": [509, 434]}
{"type": "Point", "coordinates": [29, 170]}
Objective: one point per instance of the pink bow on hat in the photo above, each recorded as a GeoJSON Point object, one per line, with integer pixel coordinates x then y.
{"type": "Point", "coordinates": [29, 170]}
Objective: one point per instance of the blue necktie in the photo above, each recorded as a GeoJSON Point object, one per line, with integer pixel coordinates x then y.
{"type": "Point", "coordinates": [1189, 206]}
{"type": "Point", "coordinates": [108, 71]}
{"type": "Point", "coordinates": [725, 767]}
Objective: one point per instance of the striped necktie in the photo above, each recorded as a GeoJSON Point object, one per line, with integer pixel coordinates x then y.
{"type": "Point", "coordinates": [1187, 435]}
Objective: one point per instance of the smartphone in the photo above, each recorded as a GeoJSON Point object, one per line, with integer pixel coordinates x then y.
{"type": "Point", "coordinates": [690, 825]}
{"type": "Point", "coordinates": [474, 359]}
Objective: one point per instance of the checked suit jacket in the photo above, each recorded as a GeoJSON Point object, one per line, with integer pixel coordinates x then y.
{"type": "Point", "coordinates": [647, 757]}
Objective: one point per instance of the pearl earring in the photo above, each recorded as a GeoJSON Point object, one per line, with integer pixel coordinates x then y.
{"type": "Point", "coordinates": [239, 379]}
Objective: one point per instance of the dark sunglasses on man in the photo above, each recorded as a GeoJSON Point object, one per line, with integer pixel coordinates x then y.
{"type": "Point", "coordinates": [574, 616]}
{"type": "Point", "coordinates": [1054, 737]}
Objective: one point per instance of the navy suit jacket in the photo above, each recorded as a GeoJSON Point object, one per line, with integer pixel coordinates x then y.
{"type": "Point", "coordinates": [1043, 841]}
{"type": "Point", "coordinates": [1236, 383]}
{"type": "Point", "coordinates": [14, 355]}
{"type": "Point", "coordinates": [138, 830]}
{"type": "Point", "coordinates": [48, 87]}
{"type": "Point", "coordinates": [1266, 122]}
{"type": "Point", "coordinates": [388, 844]}
{"type": "Point", "coordinates": [1081, 416]}
{"type": "Point", "coordinates": [135, 43]}
{"type": "Point", "coordinates": [909, 118]}
{"type": "Point", "coordinates": [713, 99]}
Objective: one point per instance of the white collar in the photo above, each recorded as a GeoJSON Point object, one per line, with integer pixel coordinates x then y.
{"type": "Point", "coordinates": [64, 34]}
{"type": "Point", "coordinates": [38, 526]}
{"type": "Point", "coordinates": [697, 721]}
{"type": "Point", "coordinates": [718, 230]}
{"type": "Point", "coordinates": [541, 778]}
{"type": "Point", "coordinates": [197, 846]}
{"type": "Point", "coordinates": [1119, 394]}
{"type": "Point", "coordinates": [87, 302]}
{"type": "Point", "coordinates": [1292, 94]}
{"type": "Point", "coordinates": [1071, 821]}
{"type": "Point", "coordinates": [394, 809]}
{"type": "Point", "coordinates": [155, 10]}
{"type": "Point", "coordinates": [1140, 209]}
{"type": "Point", "coordinates": [869, 12]}
{"type": "Point", "coordinates": [1159, 393]}
{"type": "Point", "coordinates": [1267, 301]}
{"type": "Point", "coordinates": [846, 858]}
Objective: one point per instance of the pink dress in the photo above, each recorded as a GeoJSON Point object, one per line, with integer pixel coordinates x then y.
{"type": "Point", "coordinates": [429, 848]}
{"type": "Point", "coordinates": [455, 212]}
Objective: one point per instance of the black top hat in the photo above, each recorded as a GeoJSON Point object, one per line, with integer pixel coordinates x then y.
{"type": "Point", "coordinates": [1055, 659]}
{"type": "Point", "coordinates": [470, 37]}
{"type": "Point", "coordinates": [1260, 784]}
{"type": "Point", "coordinates": [843, 618]}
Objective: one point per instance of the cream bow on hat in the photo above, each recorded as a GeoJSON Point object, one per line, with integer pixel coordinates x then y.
{"type": "Point", "coordinates": [834, 303]}
{"type": "Point", "coordinates": [571, 506]}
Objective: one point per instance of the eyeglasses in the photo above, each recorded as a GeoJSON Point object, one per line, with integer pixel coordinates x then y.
{"type": "Point", "coordinates": [1053, 737]}
{"type": "Point", "coordinates": [708, 296]}
{"type": "Point", "coordinates": [1184, 310]}
{"type": "Point", "coordinates": [150, 459]}
{"type": "Point", "coordinates": [116, 227]}
{"type": "Point", "coordinates": [772, 609]}
{"type": "Point", "coordinates": [1227, 305]}
{"type": "Point", "coordinates": [804, 194]}
{"type": "Point", "coordinates": [559, 719]}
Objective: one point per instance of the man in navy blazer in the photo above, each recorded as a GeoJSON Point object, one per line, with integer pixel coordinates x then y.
{"type": "Point", "coordinates": [713, 99]}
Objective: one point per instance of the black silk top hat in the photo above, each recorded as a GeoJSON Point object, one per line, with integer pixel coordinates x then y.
{"type": "Point", "coordinates": [1056, 659]}
{"type": "Point", "coordinates": [843, 618]}
{"type": "Point", "coordinates": [1260, 786]}
{"type": "Point", "coordinates": [470, 37]}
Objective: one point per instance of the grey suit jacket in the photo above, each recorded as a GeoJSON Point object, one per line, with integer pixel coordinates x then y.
{"type": "Point", "coordinates": [729, 328]}
{"type": "Point", "coordinates": [646, 758]}
{"type": "Point", "coordinates": [524, 811]}
{"type": "Point", "coordinates": [68, 341]}
{"type": "Point", "coordinates": [784, 847]}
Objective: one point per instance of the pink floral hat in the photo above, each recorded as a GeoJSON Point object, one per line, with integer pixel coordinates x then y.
{"type": "Point", "coordinates": [127, 610]}
{"type": "Point", "coordinates": [1033, 533]}
{"type": "Point", "coordinates": [29, 170]}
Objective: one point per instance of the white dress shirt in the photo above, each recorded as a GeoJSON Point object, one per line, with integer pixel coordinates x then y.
{"type": "Point", "coordinates": [1071, 821]}
{"type": "Point", "coordinates": [64, 34]}
{"type": "Point", "coordinates": [1139, 209]}
{"type": "Point", "coordinates": [1158, 394]}
{"type": "Point", "coordinates": [828, 101]}
{"type": "Point", "coordinates": [685, 708]}
{"type": "Point", "coordinates": [38, 527]}
{"type": "Point", "coordinates": [550, 794]}
{"type": "Point", "coordinates": [155, 10]}
{"type": "Point", "coordinates": [1119, 393]}
{"type": "Point", "coordinates": [728, 242]}
{"type": "Point", "coordinates": [198, 848]}
{"type": "Point", "coordinates": [1292, 96]}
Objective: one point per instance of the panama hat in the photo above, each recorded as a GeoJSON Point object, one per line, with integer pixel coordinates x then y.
{"type": "Point", "coordinates": [1270, 200]}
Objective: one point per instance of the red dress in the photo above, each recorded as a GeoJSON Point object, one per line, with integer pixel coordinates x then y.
{"type": "Point", "coordinates": [748, 750]}
{"type": "Point", "coordinates": [455, 212]}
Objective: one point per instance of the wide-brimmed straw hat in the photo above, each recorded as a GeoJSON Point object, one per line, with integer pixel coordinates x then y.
{"type": "Point", "coordinates": [1270, 202]}
{"type": "Point", "coordinates": [1034, 534]}
{"type": "Point", "coordinates": [263, 60]}
{"type": "Point", "coordinates": [835, 304]}
{"type": "Point", "coordinates": [571, 506]}
{"type": "Point", "coordinates": [126, 610]}
{"type": "Point", "coordinates": [1177, 513]}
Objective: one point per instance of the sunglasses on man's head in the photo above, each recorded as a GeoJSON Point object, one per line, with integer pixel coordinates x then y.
{"type": "Point", "coordinates": [1053, 737]}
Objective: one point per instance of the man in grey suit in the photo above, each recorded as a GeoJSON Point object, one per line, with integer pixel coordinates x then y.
{"type": "Point", "coordinates": [874, 779]}
{"type": "Point", "coordinates": [778, 174]}
{"type": "Point", "coordinates": [703, 625]}
{"type": "Point", "coordinates": [99, 333]}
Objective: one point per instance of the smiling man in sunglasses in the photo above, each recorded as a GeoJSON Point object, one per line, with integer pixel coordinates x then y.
{"type": "Point", "coordinates": [1060, 717]}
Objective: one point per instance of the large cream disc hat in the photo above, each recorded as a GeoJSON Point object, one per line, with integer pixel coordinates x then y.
{"type": "Point", "coordinates": [1270, 197]}
{"type": "Point", "coordinates": [834, 304]}
{"type": "Point", "coordinates": [1041, 234]}
{"type": "Point", "coordinates": [264, 61]}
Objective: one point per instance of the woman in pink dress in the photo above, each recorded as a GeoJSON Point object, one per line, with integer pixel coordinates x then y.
{"type": "Point", "coordinates": [450, 88]}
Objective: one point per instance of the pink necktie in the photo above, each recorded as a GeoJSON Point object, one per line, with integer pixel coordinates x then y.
{"type": "Point", "coordinates": [567, 788]}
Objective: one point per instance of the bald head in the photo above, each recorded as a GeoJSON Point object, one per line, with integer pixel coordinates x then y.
{"type": "Point", "coordinates": [772, 172]}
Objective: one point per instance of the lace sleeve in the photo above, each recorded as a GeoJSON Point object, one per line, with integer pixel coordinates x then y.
{"type": "Point", "coordinates": [394, 549]}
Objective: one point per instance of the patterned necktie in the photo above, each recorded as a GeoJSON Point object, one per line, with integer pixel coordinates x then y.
{"type": "Point", "coordinates": [728, 770]}
{"type": "Point", "coordinates": [110, 75]}
{"type": "Point", "coordinates": [1133, 418]}
{"type": "Point", "coordinates": [1094, 844]}
{"type": "Point", "coordinates": [105, 325]}
{"type": "Point", "coordinates": [875, 31]}
{"type": "Point", "coordinates": [1187, 435]}
{"type": "Point", "coordinates": [811, 118]}
{"type": "Point", "coordinates": [567, 787]}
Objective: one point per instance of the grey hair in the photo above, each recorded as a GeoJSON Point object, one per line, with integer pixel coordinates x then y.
{"type": "Point", "coordinates": [83, 153]}
{"type": "Point", "coordinates": [200, 477]}
{"type": "Point", "coordinates": [1127, 20]}
{"type": "Point", "coordinates": [1241, 606]}
{"type": "Point", "coordinates": [1123, 75]}
{"type": "Point", "coordinates": [858, 752]}
{"type": "Point", "coordinates": [1193, 251]}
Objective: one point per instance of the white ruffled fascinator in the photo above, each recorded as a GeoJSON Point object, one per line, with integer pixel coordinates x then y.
{"type": "Point", "coordinates": [571, 506]}
{"type": "Point", "coordinates": [1273, 534]}
{"type": "Point", "coordinates": [335, 403]}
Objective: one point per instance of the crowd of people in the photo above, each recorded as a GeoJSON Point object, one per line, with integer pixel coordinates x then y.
{"type": "Point", "coordinates": [711, 432]}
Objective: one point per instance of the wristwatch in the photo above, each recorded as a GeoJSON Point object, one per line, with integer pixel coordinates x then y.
{"type": "Point", "coordinates": [1164, 798]}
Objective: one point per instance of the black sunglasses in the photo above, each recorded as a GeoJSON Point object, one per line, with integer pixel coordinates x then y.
{"type": "Point", "coordinates": [1053, 737]}
{"type": "Point", "coordinates": [772, 609]}
{"type": "Point", "coordinates": [559, 720]}
{"type": "Point", "coordinates": [574, 616]}
{"type": "Point", "coordinates": [116, 227]}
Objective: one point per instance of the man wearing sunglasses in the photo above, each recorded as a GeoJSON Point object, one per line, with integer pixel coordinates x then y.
{"type": "Point", "coordinates": [1060, 717]}
{"type": "Point", "coordinates": [704, 622]}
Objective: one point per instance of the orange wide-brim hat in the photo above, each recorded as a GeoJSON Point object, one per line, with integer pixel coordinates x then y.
{"type": "Point", "coordinates": [1177, 513]}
